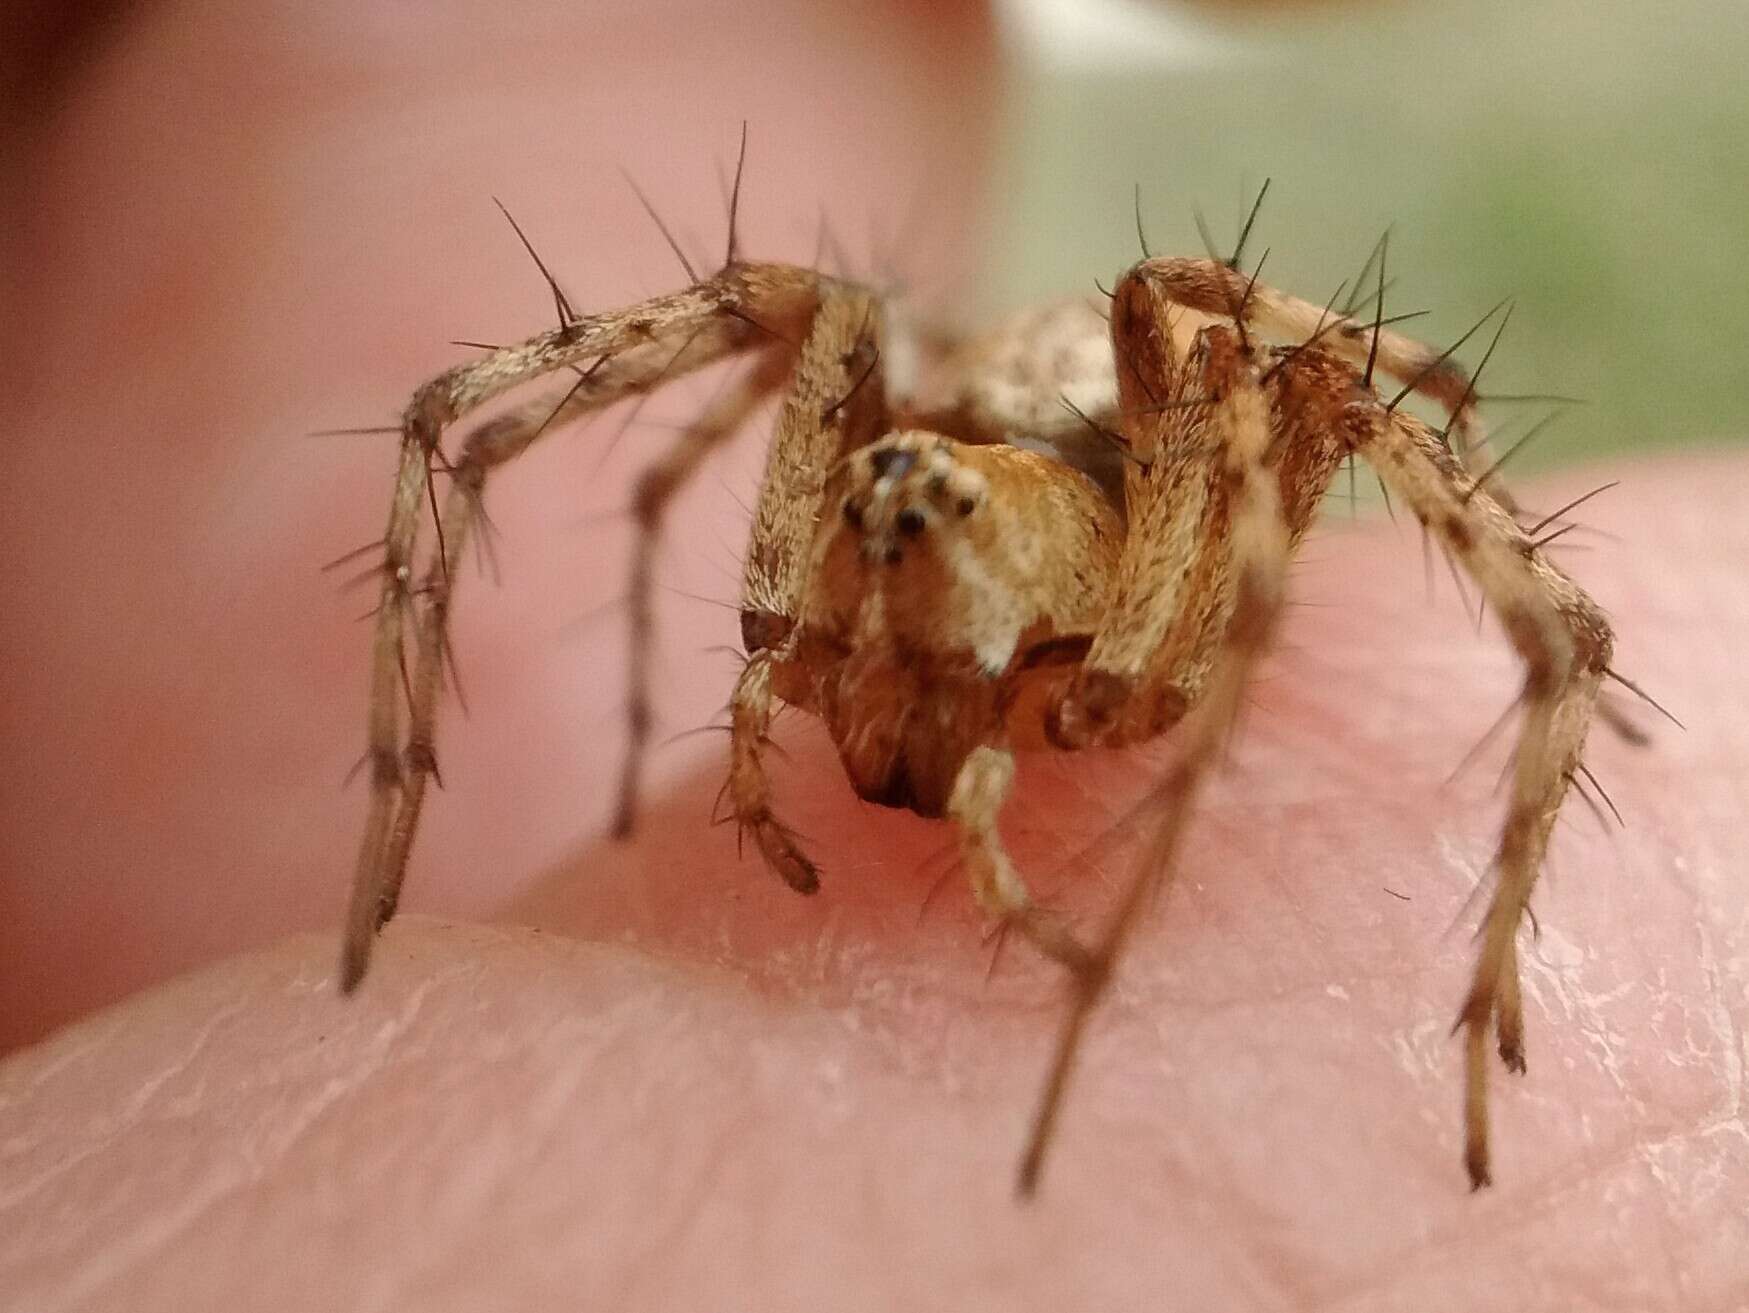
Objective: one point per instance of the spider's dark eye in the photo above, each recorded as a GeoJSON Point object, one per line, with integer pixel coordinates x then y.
{"type": "Point", "coordinates": [853, 515]}
{"type": "Point", "coordinates": [894, 462]}
{"type": "Point", "coordinates": [966, 506]}
{"type": "Point", "coordinates": [910, 522]}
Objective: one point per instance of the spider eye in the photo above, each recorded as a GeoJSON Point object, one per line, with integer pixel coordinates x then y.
{"type": "Point", "coordinates": [892, 462]}
{"type": "Point", "coordinates": [966, 506]}
{"type": "Point", "coordinates": [853, 515]}
{"type": "Point", "coordinates": [910, 522]}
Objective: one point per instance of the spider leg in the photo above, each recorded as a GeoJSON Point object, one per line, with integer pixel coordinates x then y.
{"type": "Point", "coordinates": [979, 791]}
{"type": "Point", "coordinates": [655, 491]}
{"type": "Point", "coordinates": [1233, 435]}
{"type": "Point", "coordinates": [1564, 641]}
{"type": "Point", "coordinates": [1163, 630]}
{"type": "Point", "coordinates": [750, 708]}
{"type": "Point", "coordinates": [835, 403]}
{"type": "Point", "coordinates": [1212, 288]}
{"type": "Point", "coordinates": [618, 353]}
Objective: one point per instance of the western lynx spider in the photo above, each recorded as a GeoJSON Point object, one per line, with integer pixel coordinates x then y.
{"type": "Point", "coordinates": [941, 595]}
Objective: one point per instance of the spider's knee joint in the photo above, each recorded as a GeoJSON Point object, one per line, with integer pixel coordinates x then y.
{"type": "Point", "coordinates": [651, 495]}
{"type": "Point", "coordinates": [428, 413]}
{"type": "Point", "coordinates": [420, 758]}
{"type": "Point", "coordinates": [385, 769]}
{"type": "Point", "coordinates": [640, 719]}
{"type": "Point", "coordinates": [1089, 709]}
{"type": "Point", "coordinates": [1477, 1009]}
{"type": "Point", "coordinates": [763, 630]}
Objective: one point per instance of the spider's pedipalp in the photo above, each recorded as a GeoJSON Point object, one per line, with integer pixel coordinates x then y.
{"type": "Point", "coordinates": [979, 792]}
{"type": "Point", "coordinates": [748, 787]}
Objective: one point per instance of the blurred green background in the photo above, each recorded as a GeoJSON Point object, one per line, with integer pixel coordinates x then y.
{"type": "Point", "coordinates": [1589, 158]}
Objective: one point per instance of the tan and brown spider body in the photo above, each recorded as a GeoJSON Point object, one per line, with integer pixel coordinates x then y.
{"type": "Point", "coordinates": [941, 592]}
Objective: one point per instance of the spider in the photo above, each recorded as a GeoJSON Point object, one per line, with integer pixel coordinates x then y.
{"type": "Point", "coordinates": [1071, 531]}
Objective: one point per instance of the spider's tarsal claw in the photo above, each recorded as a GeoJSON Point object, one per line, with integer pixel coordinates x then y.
{"type": "Point", "coordinates": [354, 962]}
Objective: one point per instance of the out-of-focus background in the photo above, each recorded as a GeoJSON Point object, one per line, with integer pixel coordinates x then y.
{"type": "Point", "coordinates": [226, 227]}
{"type": "Point", "coordinates": [1589, 158]}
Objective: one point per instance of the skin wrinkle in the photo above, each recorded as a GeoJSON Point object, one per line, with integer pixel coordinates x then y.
{"type": "Point", "coordinates": [158, 1231]}
{"type": "Point", "coordinates": [130, 1115]}
{"type": "Point", "coordinates": [1460, 1243]}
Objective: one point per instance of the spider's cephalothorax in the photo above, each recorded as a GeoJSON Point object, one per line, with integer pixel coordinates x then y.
{"type": "Point", "coordinates": [940, 591]}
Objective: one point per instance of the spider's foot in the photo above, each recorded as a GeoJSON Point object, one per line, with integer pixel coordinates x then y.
{"type": "Point", "coordinates": [625, 819]}
{"type": "Point", "coordinates": [1049, 933]}
{"type": "Point", "coordinates": [1510, 1042]}
{"type": "Point", "coordinates": [353, 961]}
{"type": "Point", "coordinates": [782, 853]}
{"type": "Point", "coordinates": [1476, 1164]}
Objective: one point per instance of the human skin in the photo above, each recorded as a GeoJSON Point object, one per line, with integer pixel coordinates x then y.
{"type": "Point", "coordinates": [660, 1079]}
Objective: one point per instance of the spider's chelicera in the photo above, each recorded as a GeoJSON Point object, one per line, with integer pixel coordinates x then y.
{"type": "Point", "coordinates": [1071, 531]}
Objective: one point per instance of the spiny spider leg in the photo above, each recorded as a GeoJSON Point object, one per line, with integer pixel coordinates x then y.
{"type": "Point", "coordinates": [836, 404]}
{"type": "Point", "coordinates": [1565, 643]}
{"type": "Point", "coordinates": [1199, 587]}
{"type": "Point", "coordinates": [1213, 288]}
{"type": "Point", "coordinates": [1236, 432]}
{"type": "Point", "coordinates": [655, 490]}
{"type": "Point", "coordinates": [626, 352]}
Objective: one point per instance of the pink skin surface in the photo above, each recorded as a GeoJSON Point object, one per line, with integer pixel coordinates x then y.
{"type": "Point", "coordinates": [661, 1080]}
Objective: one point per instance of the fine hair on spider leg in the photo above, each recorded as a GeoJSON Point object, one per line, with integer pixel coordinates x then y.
{"type": "Point", "coordinates": [1072, 531]}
